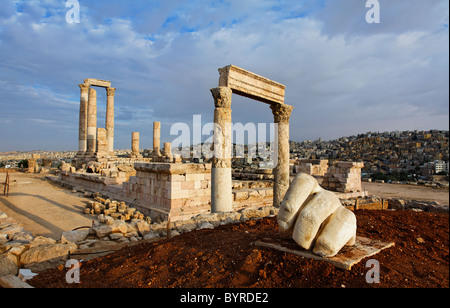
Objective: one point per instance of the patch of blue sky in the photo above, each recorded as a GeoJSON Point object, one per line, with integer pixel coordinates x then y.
{"type": "Point", "coordinates": [107, 21]}
{"type": "Point", "coordinates": [169, 20]}
{"type": "Point", "coordinates": [19, 7]}
{"type": "Point", "coordinates": [301, 9]}
{"type": "Point", "coordinates": [48, 14]}
{"type": "Point", "coordinates": [238, 20]}
{"type": "Point", "coordinates": [186, 29]}
{"type": "Point", "coordinates": [151, 38]}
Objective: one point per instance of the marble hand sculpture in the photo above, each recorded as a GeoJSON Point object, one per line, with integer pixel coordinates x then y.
{"type": "Point", "coordinates": [315, 218]}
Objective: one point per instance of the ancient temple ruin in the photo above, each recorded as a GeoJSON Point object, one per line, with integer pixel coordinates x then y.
{"type": "Point", "coordinates": [161, 184]}
{"type": "Point", "coordinates": [168, 186]}
{"type": "Point", "coordinates": [95, 143]}
{"type": "Point", "coordinates": [239, 81]}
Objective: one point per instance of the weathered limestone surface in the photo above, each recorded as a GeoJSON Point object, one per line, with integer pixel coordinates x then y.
{"type": "Point", "coordinates": [281, 115]}
{"type": "Point", "coordinates": [39, 254]}
{"type": "Point", "coordinates": [20, 249]}
{"type": "Point", "coordinates": [8, 265]}
{"type": "Point", "coordinates": [221, 179]}
{"type": "Point", "coordinates": [311, 166]}
{"type": "Point", "coordinates": [167, 150]}
{"type": "Point", "coordinates": [251, 85]}
{"type": "Point", "coordinates": [109, 125]}
{"type": "Point", "coordinates": [92, 123]}
{"type": "Point", "coordinates": [135, 139]}
{"type": "Point", "coordinates": [343, 177]}
{"type": "Point", "coordinates": [82, 132]}
{"type": "Point", "coordinates": [74, 236]}
{"type": "Point", "coordinates": [97, 82]}
{"type": "Point", "coordinates": [171, 190]}
{"type": "Point", "coordinates": [156, 138]}
{"type": "Point", "coordinates": [252, 198]}
{"type": "Point", "coordinates": [102, 145]}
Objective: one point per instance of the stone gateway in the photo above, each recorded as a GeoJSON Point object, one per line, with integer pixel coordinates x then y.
{"type": "Point", "coordinates": [88, 145]}
{"type": "Point", "coordinates": [239, 81]}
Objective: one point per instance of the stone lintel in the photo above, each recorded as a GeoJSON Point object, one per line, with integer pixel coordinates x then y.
{"type": "Point", "coordinates": [169, 168]}
{"type": "Point", "coordinates": [97, 83]}
{"type": "Point", "coordinates": [251, 85]}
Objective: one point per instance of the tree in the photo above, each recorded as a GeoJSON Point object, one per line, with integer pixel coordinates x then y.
{"type": "Point", "coordinates": [23, 163]}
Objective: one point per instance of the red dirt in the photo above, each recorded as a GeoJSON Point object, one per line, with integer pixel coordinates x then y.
{"type": "Point", "coordinates": [225, 257]}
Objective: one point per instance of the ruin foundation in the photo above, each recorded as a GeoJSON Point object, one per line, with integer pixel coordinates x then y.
{"type": "Point", "coordinates": [345, 178]}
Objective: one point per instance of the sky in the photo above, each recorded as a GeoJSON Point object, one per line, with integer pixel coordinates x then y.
{"type": "Point", "coordinates": [343, 75]}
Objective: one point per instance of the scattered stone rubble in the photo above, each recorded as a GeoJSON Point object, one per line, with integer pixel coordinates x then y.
{"type": "Point", "coordinates": [113, 209]}
{"type": "Point", "coordinates": [20, 249]}
{"type": "Point", "coordinates": [118, 223]}
{"type": "Point", "coordinates": [418, 205]}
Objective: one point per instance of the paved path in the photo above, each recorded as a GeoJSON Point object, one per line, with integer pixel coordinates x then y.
{"type": "Point", "coordinates": [43, 208]}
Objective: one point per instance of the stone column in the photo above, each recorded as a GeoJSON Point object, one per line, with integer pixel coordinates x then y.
{"type": "Point", "coordinates": [167, 149]}
{"type": "Point", "coordinates": [156, 138]}
{"type": "Point", "coordinates": [221, 196]}
{"type": "Point", "coordinates": [92, 123]}
{"type": "Point", "coordinates": [135, 144]}
{"type": "Point", "coordinates": [281, 114]}
{"type": "Point", "coordinates": [82, 131]}
{"type": "Point", "coordinates": [102, 145]}
{"type": "Point", "coordinates": [109, 125]}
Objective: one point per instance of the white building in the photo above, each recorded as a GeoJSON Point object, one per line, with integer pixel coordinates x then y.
{"type": "Point", "coordinates": [438, 166]}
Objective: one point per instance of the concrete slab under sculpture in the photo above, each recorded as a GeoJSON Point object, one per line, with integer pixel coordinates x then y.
{"type": "Point", "coordinates": [345, 259]}
{"type": "Point", "coordinates": [315, 218]}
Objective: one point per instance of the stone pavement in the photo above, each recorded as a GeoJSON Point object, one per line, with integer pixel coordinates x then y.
{"type": "Point", "coordinates": [43, 208]}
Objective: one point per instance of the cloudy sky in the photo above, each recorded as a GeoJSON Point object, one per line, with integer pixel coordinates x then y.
{"type": "Point", "coordinates": [343, 75]}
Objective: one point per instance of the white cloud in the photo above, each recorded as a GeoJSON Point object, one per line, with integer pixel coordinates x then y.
{"type": "Point", "coordinates": [343, 76]}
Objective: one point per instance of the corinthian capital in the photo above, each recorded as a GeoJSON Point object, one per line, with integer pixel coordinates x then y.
{"type": "Point", "coordinates": [110, 91]}
{"type": "Point", "coordinates": [222, 97]}
{"type": "Point", "coordinates": [84, 87]}
{"type": "Point", "coordinates": [281, 112]}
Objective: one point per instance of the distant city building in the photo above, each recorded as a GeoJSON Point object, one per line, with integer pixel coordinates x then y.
{"type": "Point", "coordinates": [440, 166]}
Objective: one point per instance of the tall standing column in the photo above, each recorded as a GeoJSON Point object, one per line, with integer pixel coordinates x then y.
{"type": "Point", "coordinates": [221, 196]}
{"type": "Point", "coordinates": [281, 114]}
{"type": "Point", "coordinates": [82, 131]}
{"type": "Point", "coordinates": [109, 125]}
{"type": "Point", "coordinates": [156, 139]}
{"type": "Point", "coordinates": [92, 123]}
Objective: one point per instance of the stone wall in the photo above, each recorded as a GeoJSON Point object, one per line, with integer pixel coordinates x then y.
{"type": "Point", "coordinates": [91, 182]}
{"type": "Point", "coordinates": [343, 177]}
{"type": "Point", "coordinates": [314, 167]}
{"type": "Point", "coordinates": [252, 198]}
{"type": "Point", "coordinates": [175, 191]}
{"type": "Point", "coordinates": [166, 190]}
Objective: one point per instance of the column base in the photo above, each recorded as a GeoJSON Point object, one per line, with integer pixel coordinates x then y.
{"type": "Point", "coordinates": [136, 156]}
{"type": "Point", "coordinates": [80, 154]}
